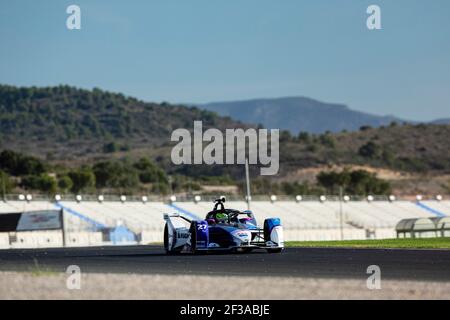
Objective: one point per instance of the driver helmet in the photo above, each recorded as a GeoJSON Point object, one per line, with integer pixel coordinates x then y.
{"type": "Point", "coordinates": [221, 217]}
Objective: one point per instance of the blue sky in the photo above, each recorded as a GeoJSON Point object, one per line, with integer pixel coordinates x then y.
{"type": "Point", "coordinates": [215, 50]}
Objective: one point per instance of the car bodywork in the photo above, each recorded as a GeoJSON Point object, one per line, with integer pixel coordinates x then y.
{"type": "Point", "coordinates": [222, 229]}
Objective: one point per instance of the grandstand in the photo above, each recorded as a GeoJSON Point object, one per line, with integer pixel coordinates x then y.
{"type": "Point", "coordinates": [89, 221]}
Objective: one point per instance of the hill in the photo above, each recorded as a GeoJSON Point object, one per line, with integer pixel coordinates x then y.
{"type": "Point", "coordinates": [74, 125]}
{"type": "Point", "coordinates": [298, 114]}
{"type": "Point", "coordinates": [409, 148]}
{"type": "Point", "coordinates": [67, 123]}
{"type": "Point", "coordinates": [70, 128]}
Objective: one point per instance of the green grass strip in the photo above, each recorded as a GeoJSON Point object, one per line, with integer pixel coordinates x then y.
{"type": "Point", "coordinates": [424, 243]}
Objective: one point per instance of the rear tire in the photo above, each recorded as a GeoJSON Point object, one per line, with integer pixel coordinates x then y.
{"type": "Point", "coordinates": [193, 232]}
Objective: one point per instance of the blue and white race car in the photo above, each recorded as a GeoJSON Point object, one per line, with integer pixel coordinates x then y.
{"type": "Point", "coordinates": [222, 229]}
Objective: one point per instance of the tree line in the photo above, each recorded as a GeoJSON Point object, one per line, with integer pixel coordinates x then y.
{"type": "Point", "coordinates": [30, 173]}
{"type": "Point", "coordinates": [24, 172]}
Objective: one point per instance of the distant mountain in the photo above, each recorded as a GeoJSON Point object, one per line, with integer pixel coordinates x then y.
{"type": "Point", "coordinates": [441, 121]}
{"type": "Point", "coordinates": [298, 114]}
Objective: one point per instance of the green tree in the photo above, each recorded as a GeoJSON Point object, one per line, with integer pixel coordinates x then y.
{"type": "Point", "coordinates": [388, 157]}
{"type": "Point", "coordinates": [82, 179]}
{"type": "Point", "coordinates": [358, 182]}
{"type": "Point", "coordinates": [149, 172]}
{"type": "Point", "coordinates": [370, 150]}
{"type": "Point", "coordinates": [114, 174]}
{"type": "Point", "coordinates": [65, 183]}
{"type": "Point", "coordinates": [160, 188]}
{"type": "Point", "coordinates": [47, 184]}
{"type": "Point", "coordinates": [6, 184]}
{"type": "Point", "coordinates": [304, 137]}
{"type": "Point", "coordinates": [285, 136]}
{"type": "Point", "coordinates": [110, 147]}
{"type": "Point", "coordinates": [296, 188]}
{"type": "Point", "coordinates": [363, 182]}
{"type": "Point", "coordinates": [17, 164]}
{"type": "Point", "coordinates": [365, 128]}
{"type": "Point", "coordinates": [43, 182]}
{"type": "Point", "coordinates": [327, 140]}
{"type": "Point", "coordinates": [331, 181]}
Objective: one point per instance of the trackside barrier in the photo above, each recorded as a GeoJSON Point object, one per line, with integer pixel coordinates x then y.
{"type": "Point", "coordinates": [37, 239]}
{"type": "Point", "coordinates": [82, 239]}
{"type": "Point", "coordinates": [88, 223]}
{"type": "Point", "coordinates": [4, 240]}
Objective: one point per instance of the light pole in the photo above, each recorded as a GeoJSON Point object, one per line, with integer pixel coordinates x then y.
{"type": "Point", "coordinates": [3, 177]}
{"type": "Point", "coordinates": [341, 222]}
{"type": "Point", "coordinates": [247, 181]}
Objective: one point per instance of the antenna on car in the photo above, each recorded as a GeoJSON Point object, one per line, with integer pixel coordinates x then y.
{"type": "Point", "coordinates": [221, 199]}
{"type": "Point", "coordinates": [219, 202]}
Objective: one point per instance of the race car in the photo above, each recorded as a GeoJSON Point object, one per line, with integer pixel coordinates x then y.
{"type": "Point", "coordinates": [222, 229]}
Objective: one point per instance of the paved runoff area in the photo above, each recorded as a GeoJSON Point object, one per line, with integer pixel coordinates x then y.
{"type": "Point", "coordinates": [145, 272]}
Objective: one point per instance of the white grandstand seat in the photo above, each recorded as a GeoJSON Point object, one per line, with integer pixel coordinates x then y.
{"type": "Point", "coordinates": [21, 206]}
{"type": "Point", "coordinates": [441, 207]}
{"type": "Point", "coordinates": [137, 216]}
{"type": "Point", "coordinates": [408, 210]}
{"type": "Point", "coordinates": [446, 205]}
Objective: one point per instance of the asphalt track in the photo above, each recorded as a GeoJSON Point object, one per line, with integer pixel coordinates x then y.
{"type": "Point", "coordinates": [396, 264]}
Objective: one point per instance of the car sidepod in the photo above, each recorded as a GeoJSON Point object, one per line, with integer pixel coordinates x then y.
{"type": "Point", "coordinates": [199, 231]}
{"type": "Point", "coordinates": [242, 237]}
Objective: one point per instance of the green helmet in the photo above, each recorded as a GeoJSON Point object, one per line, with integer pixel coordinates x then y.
{"type": "Point", "coordinates": [221, 216]}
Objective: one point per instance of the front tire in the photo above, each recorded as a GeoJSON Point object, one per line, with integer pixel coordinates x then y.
{"type": "Point", "coordinates": [277, 250]}
{"type": "Point", "coordinates": [168, 249]}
